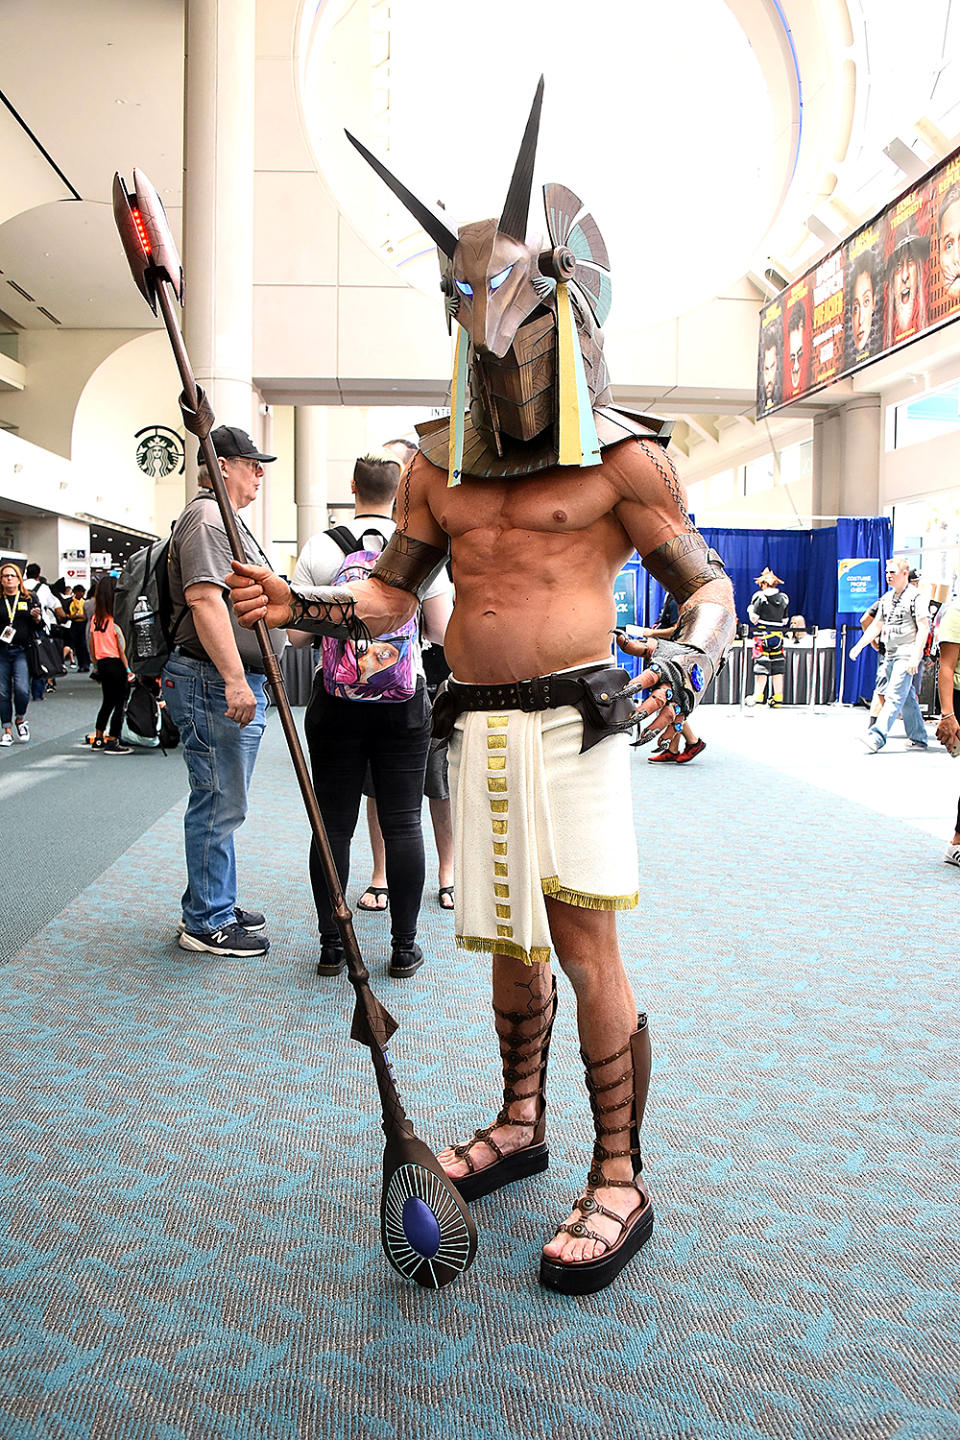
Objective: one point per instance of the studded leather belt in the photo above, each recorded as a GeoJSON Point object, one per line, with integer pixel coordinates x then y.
{"type": "Point", "coordinates": [596, 691]}
{"type": "Point", "coordinates": [542, 692]}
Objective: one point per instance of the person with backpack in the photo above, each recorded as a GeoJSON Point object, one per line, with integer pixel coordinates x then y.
{"type": "Point", "coordinates": [108, 649]}
{"type": "Point", "coordinates": [213, 685]}
{"type": "Point", "coordinates": [370, 708]}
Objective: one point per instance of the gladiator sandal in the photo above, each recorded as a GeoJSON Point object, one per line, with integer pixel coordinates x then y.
{"type": "Point", "coordinates": [524, 1054]}
{"type": "Point", "coordinates": [584, 1277]}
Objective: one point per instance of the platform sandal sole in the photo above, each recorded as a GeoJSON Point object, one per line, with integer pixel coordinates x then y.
{"type": "Point", "coordinates": [530, 1161]}
{"type": "Point", "coordinates": [586, 1277]}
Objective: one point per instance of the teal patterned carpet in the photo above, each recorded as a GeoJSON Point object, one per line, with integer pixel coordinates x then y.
{"type": "Point", "coordinates": [190, 1162]}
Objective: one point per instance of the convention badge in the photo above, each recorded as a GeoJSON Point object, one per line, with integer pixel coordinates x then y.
{"type": "Point", "coordinates": [7, 634]}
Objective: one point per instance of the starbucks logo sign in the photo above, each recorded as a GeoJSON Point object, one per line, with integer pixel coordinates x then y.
{"type": "Point", "coordinates": [159, 451]}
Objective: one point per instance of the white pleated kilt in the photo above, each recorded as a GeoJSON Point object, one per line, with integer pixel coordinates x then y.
{"type": "Point", "coordinates": [533, 817]}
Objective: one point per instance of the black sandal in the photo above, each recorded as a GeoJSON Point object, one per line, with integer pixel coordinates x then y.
{"type": "Point", "coordinates": [516, 1049]}
{"type": "Point", "coordinates": [585, 1277]}
{"type": "Point", "coordinates": [443, 894]}
{"type": "Point", "coordinates": [376, 890]}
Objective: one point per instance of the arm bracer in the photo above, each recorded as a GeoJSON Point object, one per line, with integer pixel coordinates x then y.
{"type": "Point", "coordinates": [327, 610]}
{"type": "Point", "coordinates": [689, 662]}
{"type": "Point", "coordinates": [408, 564]}
{"type": "Point", "coordinates": [684, 565]}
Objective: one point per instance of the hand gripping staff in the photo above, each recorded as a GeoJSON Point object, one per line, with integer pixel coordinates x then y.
{"type": "Point", "coordinates": [426, 1230]}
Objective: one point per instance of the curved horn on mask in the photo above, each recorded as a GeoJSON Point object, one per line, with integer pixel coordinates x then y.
{"type": "Point", "coordinates": [439, 233]}
{"type": "Point", "coordinates": [513, 221]}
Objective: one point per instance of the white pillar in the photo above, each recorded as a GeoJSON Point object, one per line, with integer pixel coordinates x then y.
{"type": "Point", "coordinates": [846, 459]}
{"type": "Point", "coordinates": [310, 470]}
{"type": "Point", "coordinates": [218, 208]}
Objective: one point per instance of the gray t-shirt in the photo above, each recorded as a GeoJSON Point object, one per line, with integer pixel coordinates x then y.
{"type": "Point", "coordinates": [200, 554]}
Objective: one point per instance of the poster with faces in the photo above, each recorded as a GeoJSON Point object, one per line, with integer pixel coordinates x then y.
{"type": "Point", "coordinates": [906, 268]}
{"type": "Point", "coordinates": [894, 279]}
{"type": "Point", "coordinates": [945, 248]}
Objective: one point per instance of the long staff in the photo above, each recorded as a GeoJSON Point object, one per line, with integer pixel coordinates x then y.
{"type": "Point", "coordinates": [426, 1230]}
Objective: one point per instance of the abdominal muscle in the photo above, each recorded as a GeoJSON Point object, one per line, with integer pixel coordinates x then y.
{"type": "Point", "coordinates": [507, 628]}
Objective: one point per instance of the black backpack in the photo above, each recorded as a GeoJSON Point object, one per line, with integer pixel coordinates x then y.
{"type": "Point", "coordinates": [146, 573]}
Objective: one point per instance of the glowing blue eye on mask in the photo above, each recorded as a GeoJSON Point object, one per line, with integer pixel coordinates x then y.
{"type": "Point", "coordinates": [497, 280]}
{"type": "Point", "coordinates": [463, 287]}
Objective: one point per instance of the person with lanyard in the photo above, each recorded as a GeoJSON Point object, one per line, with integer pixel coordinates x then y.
{"type": "Point", "coordinates": [904, 625]}
{"type": "Point", "coordinates": [768, 612]}
{"type": "Point", "coordinates": [21, 617]}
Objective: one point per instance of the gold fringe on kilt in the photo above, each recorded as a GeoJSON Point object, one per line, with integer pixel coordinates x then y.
{"type": "Point", "coordinates": [551, 886]}
{"type": "Point", "coordinates": [537, 956]}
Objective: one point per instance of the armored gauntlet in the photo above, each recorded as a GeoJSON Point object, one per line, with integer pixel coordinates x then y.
{"type": "Point", "coordinates": [688, 663]}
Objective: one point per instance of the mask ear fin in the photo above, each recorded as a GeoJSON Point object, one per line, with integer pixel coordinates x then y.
{"type": "Point", "coordinates": [458, 403]}
{"type": "Point", "coordinates": [578, 443]}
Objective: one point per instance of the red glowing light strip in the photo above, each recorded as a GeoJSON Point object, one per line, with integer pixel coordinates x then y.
{"type": "Point", "coordinates": [138, 221]}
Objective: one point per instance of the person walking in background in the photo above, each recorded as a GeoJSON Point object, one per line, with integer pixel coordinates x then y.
{"type": "Point", "coordinates": [20, 618]}
{"type": "Point", "coordinates": [78, 629]}
{"type": "Point", "coordinates": [109, 653]}
{"type": "Point", "coordinates": [903, 622]}
{"type": "Point", "coordinates": [768, 611]}
{"type": "Point", "coordinates": [53, 617]}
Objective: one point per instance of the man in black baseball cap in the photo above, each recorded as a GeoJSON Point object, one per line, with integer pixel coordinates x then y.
{"type": "Point", "coordinates": [230, 442]}
{"type": "Point", "coordinates": [213, 686]}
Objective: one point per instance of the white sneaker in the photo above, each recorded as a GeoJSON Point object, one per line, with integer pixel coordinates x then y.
{"type": "Point", "coordinates": [952, 856]}
{"type": "Point", "coordinates": [6, 738]}
{"type": "Point", "coordinates": [873, 745]}
{"type": "Point", "coordinates": [23, 731]}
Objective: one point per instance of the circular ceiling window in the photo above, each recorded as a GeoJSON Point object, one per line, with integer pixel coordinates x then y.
{"type": "Point", "coordinates": [657, 117]}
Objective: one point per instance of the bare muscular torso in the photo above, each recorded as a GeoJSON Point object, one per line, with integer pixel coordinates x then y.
{"type": "Point", "coordinates": [534, 560]}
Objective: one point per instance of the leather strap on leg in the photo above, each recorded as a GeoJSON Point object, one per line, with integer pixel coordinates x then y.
{"type": "Point", "coordinates": [518, 1050]}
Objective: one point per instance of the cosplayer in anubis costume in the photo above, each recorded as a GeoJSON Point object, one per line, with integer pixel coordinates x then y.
{"type": "Point", "coordinates": [541, 489]}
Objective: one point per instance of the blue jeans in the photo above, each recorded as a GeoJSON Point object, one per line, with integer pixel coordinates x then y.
{"type": "Point", "coordinates": [14, 683]}
{"type": "Point", "coordinates": [899, 697]}
{"type": "Point", "coordinates": [220, 758]}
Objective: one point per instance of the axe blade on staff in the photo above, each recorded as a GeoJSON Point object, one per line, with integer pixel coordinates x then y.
{"type": "Point", "coordinates": [427, 1231]}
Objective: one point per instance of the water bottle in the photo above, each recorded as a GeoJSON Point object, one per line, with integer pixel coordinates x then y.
{"type": "Point", "coordinates": [146, 628]}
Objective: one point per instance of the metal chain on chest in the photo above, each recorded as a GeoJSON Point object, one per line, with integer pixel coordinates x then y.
{"type": "Point", "coordinates": [669, 477]}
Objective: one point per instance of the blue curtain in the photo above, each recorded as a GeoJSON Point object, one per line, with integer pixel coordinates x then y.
{"type": "Point", "coordinates": [806, 562]}
{"type": "Point", "coordinates": [868, 537]}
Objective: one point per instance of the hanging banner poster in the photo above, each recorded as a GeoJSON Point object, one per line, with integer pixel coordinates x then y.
{"type": "Point", "coordinates": [858, 585]}
{"type": "Point", "coordinates": [863, 297]}
{"type": "Point", "coordinates": [798, 336]}
{"type": "Point", "coordinates": [907, 256]}
{"type": "Point", "coordinates": [945, 256]}
{"type": "Point", "coordinates": [770, 381]}
{"type": "Point", "coordinates": [894, 279]}
{"type": "Point", "coordinates": [828, 319]}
